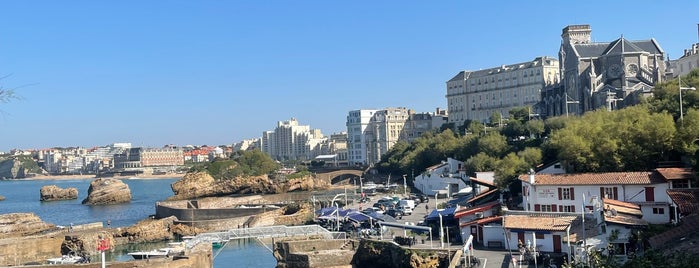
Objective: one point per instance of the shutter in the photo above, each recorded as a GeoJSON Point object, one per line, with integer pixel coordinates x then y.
{"type": "Point", "coordinates": [537, 207]}
{"type": "Point", "coordinates": [650, 194]}
{"type": "Point", "coordinates": [560, 194]}
{"type": "Point", "coordinates": [572, 193]}
{"type": "Point", "coordinates": [524, 190]}
{"type": "Point", "coordinates": [572, 209]}
{"type": "Point", "coordinates": [601, 192]}
{"type": "Point", "coordinates": [616, 195]}
{"type": "Point", "coordinates": [554, 207]}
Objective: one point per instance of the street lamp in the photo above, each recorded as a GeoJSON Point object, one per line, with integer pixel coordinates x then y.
{"type": "Point", "coordinates": [679, 83]}
{"type": "Point", "coordinates": [337, 212]}
{"type": "Point", "coordinates": [405, 186]}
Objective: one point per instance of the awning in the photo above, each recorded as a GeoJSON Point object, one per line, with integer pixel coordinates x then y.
{"type": "Point", "coordinates": [405, 226]}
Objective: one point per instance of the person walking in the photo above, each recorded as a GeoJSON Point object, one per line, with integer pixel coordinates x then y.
{"type": "Point", "coordinates": [427, 208]}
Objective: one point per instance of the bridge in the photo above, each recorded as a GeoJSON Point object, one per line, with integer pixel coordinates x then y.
{"type": "Point", "coordinates": [265, 232]}
{"type": "Point", "coordinates": [339, 176]}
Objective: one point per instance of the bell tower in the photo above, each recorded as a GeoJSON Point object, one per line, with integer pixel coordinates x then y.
{"type": "Point", "coordinates": [576, 34]}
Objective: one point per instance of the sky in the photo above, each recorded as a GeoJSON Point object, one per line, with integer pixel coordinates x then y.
{"type": "Point", "coordinates": [152, 73]}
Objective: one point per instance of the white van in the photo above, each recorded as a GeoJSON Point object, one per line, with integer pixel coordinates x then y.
{"type": "Point", "coordinates": [407, 203]}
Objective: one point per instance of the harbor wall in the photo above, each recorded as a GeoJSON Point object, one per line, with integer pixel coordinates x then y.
{"type": "Point", "coordinates": [20, 251]}
{"type": "Point", "coordinates": [194, 214]}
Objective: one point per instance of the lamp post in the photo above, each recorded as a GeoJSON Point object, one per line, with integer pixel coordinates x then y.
{"type": "Point", "coordinates": [441, 231]}
{"type": "Point", "coordinates": [679, 83]}
{"type": "Point", "coordinates": [337, 212]}
{"type": "Point", "coordinates": [405, 186]}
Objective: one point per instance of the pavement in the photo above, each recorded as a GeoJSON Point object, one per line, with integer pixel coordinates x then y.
{"type": "Point", "coordinates": [489, 258]}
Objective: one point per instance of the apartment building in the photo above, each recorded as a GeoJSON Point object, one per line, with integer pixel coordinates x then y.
{"type": "Point", "coordinates": [476, 95]}
{"type": "Point", "coordinates": [291, 141]}
{"type": "Point", "coordinates": [357, 124]}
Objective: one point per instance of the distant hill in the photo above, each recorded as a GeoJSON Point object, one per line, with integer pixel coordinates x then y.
{"type": "Point", "coordinates": [17, 167]}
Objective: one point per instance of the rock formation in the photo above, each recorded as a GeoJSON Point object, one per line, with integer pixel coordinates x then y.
{"type": "Point", "coordinates": [53, 192]}
{"type": "Point", "coordinates": [105, 191]}
{"type": "Point", "coordinates": [22, 224]}
{"type": "Point", "coordinates": [389, 255]}
{"type": "Point", "coordinates": [149, 230]}
{"type": "Point", "coordinates": [2, 198]}
{"type": "Point", "coordinates": [11, 169]}
{"type": "Point", "coordinates": [201, 184]}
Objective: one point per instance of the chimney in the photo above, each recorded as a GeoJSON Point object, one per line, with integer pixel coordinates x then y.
{"type": "Point", "coordinates": [531, 176]}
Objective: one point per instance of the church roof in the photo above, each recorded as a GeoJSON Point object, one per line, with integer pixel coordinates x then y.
{"type": "Point", "coordinates": [597, 49]}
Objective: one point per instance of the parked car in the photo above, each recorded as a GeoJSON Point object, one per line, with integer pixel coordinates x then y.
{"type": "Point", "coordinates": [372, 209]}
{"type": "Point", "coordinates": [394, 213]}
{"type": "Point", "coordinates": [406, 210]}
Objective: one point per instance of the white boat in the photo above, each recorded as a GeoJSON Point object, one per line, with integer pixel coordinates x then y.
{"type": "Point", "coordinates": [158, 253]}
{"type": "Point", "coordinates": [66, 259]}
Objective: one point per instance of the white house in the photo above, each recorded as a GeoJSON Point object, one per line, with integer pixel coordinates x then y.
{"type": "Point", "coordinates": [483, 222]}
{"type": "Point", "coordinates": [570, 192]}
{"type": "Point", "coordinates": [445, 178]}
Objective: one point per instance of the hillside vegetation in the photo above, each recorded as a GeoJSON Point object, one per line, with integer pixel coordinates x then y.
{"type": "Point", "coordinates": [631, 139]}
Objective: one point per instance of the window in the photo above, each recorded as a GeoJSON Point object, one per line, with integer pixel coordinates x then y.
{"type": "Point", "coordinates": [566, 208]}
{"type": "Point", "coordinates": [680, 184]}
{"type": "Point", "coordinates": [609, 192]}
{"type": "Point", "coordinates": [658, 211]}
{"type": "Point", "coordinates": [566, 193]}
{"type": "Point", "coordinates": [539, 236]}
{"type": "Point", "coordinates": [546, 208]}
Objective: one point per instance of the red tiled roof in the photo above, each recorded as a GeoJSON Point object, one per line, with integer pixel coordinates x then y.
{"type": "Point", "coordinates": [482, 182]}
{"type": "Point", "coordinates": [690, 225]}
{"type": "Point", "coordinates": [482, 221]}
{"type": "Point", "coordinates": [618, 203]}
{"type": "Point", "coordinates": [481, 208]}
{"type": "Point", "coordinates": [537, 222]}
{"type": "Point", "coordinates": [482, 195]}
{"type": "Point", "coordinates": [686, 199]}
{"type": "Point", "coordinates": [676, 173]}
{"type": "Point", "coordinates": [625, 220]}
{"type": "Point", "coordinates": [609, 178]}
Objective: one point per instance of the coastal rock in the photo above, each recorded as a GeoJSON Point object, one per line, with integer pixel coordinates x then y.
{"type": "Point", "coordinates": [22, 224]}
{"type": "Point", "coordinates": [383, 254]}
{"type": "Point", "coordinates": [107, 191]}
{"type": "Point", "coordinates": [201, 184]}
{"type": "Point", "coordinates": [11, 169]}
{"type": "Point", "coordinates": [149, 230]}
{"type": "Point", "coordinates": [53, 192]}
{"type": "Point", "coordinates": [2, 198]}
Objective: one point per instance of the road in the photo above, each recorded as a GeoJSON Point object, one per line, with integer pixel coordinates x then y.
{"type": "Point", "coordinates": [488, 258]}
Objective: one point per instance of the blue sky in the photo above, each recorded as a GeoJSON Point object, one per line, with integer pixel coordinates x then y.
{"type": "Point", "coordinates": [91, 73]}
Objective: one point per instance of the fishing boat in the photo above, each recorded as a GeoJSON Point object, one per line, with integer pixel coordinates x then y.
{"type": "Point", "coordinates": [153, 254]}
{"type": "Point", "coordinates": [66, 259]}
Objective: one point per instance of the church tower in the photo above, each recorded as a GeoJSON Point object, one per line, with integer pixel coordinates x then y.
{"type": "Point", "coordinates": [576, 34]}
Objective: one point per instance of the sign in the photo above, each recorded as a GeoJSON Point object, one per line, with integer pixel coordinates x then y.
{"type": "Point", "coordinates": [546, 193]}
{"type": "Point", "coordinates": [103, 244]}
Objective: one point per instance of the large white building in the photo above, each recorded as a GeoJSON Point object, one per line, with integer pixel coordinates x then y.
{"type": "Point", "coordinates": [291, 141]}
{"type": "Point", "coordinates": [688, 62]}
{"type": "Point", "coordinates": [357, 123]}
{"type": "Point", "coordinates": [476, 95]}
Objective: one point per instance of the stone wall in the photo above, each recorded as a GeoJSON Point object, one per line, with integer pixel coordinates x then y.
{"type": "Point", "coordinates": [314, 253]}
{"type": "Point", "coordinates": [19, 251]}
{"type": "Point", "coordinates": [199, 257]}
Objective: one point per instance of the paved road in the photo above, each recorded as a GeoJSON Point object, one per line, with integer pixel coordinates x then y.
{"type": "Point", "coordinates": [488, 258]}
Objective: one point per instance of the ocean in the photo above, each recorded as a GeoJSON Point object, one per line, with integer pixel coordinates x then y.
{"type": "Point", "coordinates": [23, 196]}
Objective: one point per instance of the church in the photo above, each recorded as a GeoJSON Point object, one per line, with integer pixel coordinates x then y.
{"type": "Point", "coordinates": [601, 75]}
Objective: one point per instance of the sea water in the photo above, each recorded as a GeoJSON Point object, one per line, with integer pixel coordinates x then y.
{"type": "Point", "coordinates": [24, 196]}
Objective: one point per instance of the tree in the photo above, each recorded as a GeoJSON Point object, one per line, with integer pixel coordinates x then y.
{"type": "Point", "coordinates": [508, 169]}
{"type": "Point", "coordinates": [495, 118]}
{"type": "Point", "coordinates": [493, 144]}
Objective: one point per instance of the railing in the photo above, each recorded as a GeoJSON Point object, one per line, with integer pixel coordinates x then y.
{"type": "Point", "coordinates": [262, 232]}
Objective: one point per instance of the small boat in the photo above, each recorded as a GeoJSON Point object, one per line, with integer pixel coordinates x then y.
{"type": "Point", "coordinates": [158, 253]}
{"type": "Point", "coordinates": [66, 259]}
{"type": "Point", "coordinates": [217, 243]}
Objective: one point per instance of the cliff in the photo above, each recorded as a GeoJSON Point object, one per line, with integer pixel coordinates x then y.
{"type": "Point", "coordinates": [105, 191]}
{"type": "Point", "coordinates": [22, 224]}
{"type": "Point", "coordinates": [11, 169]}
{"type": "Point", "coordinates": [53, 192]}
{"type": "Point", "coordinates": [201, 184]}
